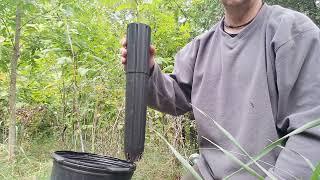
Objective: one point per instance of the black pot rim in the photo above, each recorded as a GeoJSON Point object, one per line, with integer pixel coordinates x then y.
{"type": "Point", "coordinates": [93, 163]}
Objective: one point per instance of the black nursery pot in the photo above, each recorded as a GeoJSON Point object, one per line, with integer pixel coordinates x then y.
{"type": "Point", "coordinates": [69, 165]}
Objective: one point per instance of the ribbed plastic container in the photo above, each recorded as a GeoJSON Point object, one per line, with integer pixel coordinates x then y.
{"type": "Point", "coordinates": [137, 76]}
{"type": "Point", "coordinates": [69, 165]}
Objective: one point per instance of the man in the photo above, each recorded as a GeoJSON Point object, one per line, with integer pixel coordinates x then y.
{"type": "Point", "coordinates": [257, 73]}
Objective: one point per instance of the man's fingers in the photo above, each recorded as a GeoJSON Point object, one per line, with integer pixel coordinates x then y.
{"type": "Point", "coordinates": [124, 52]}
{"type": "Point", "coordinates": [152, 50]}
{"type": "Point", "coordinates": [124, 42]}
{"type": "Point", "coordinates": [123, 60]}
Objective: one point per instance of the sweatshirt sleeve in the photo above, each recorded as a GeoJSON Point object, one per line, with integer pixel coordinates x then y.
{"type": "Point", "coordinates": [298, 80]}
{"type": "Point", "coordinates": [172, 93]}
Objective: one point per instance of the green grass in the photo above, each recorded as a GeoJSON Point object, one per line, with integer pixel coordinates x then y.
{"type": "Point", "coordinates": [33, 161]}
{"type": "Point", "coordinates": [183, 161]}
{"type": "Point", "coordinates": [158, 163]}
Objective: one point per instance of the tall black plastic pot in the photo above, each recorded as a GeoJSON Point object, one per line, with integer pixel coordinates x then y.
{"type": "Point", "coordinates": [137, 76]}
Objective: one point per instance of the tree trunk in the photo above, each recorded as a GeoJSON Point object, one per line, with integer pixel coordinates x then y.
{"type": "Point", "coordinates": [12, 90]}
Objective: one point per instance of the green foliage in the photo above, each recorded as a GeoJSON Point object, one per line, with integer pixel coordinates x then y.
{"type": "Point", "coordinates": [87, 78]}
{"type": "Point", "coordinates": [203, 14]}
{"type": "Point", "coordinates": [79, 88]}
{"type": "Point", "coordinates": [316, 173]}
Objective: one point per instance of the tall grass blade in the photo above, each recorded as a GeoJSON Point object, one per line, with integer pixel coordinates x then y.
{"type": "Point", "coordinates": [316, 173]}
{"type": "Point", "coordinates": [299, 154]}
{"type": "Point", "coordinates": [231, 156]}
{"type": "Point", "coordinates": [264, 162]}
{"type": "Point", "coordinates": [271, 146]}
{"type": "Point", "coordinates": [234, 141]}
{"type": "Point", "coordinates": [184, 162]}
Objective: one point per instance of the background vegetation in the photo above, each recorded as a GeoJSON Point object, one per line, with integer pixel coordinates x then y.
{"type": "Point", "coordinates": [70, 84]}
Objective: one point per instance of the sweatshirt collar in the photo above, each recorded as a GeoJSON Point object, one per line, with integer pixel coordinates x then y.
{"type": "Point", "coordinates": [258, 20]}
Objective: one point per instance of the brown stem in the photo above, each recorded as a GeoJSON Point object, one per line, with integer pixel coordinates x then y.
{"type": "Point", "coordinates": [95, 122]}
{"type": "Point", "coordinates": [76, 91]}
{"type": "Point", "coordinates": [13, 83]}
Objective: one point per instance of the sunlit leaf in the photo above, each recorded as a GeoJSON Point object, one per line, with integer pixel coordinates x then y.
{"type": "Point", "coordinates": [64, 60]}
{"type": "Point", "coordinates": [2, 39]}
{"type": "Point", "coordinates": [83, 71]}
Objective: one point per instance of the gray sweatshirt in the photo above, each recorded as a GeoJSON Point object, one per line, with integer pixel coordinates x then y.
{"type": "Point", "coordinates": [259, 86]}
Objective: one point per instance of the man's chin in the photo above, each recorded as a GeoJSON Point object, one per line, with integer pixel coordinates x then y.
{"type": "Point", "coordinates": [234, 3]}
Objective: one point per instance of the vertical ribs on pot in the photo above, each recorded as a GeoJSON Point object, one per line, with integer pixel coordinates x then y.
{"type": "Point", "coordinates": [137, 75]}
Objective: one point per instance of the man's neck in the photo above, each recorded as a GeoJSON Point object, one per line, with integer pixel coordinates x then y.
{"type": "Point", "coordinates": [241, 14]}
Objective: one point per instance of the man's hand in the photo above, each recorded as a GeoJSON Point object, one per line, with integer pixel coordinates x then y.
{"type": "Point", "coordinates": [123, 50]}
